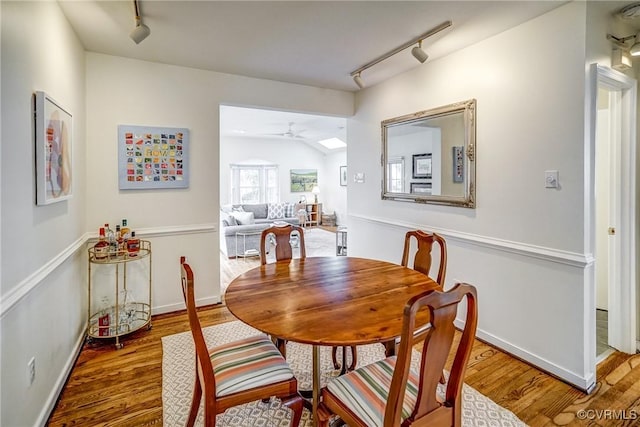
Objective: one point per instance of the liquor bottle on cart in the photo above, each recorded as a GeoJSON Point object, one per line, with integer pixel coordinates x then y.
{"type": "Point", "coordinates": [101, 249]}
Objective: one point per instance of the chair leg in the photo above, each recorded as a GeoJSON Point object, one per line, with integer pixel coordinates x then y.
{"type": "Point", "coordinates": [195, 402]}
{"type": "Point", "coordinates": [390, 348]}
{"type": "Point", "coordinates": [295, 403]}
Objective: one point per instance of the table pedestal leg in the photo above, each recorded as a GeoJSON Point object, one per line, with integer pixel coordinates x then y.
{"type": "Point", "coordinates": [316, 383]}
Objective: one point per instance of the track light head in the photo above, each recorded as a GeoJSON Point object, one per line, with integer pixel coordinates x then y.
{"type": "Point", "coordinates": [418, 53]}
{"type": "Point", "coordinates": [635, 49]}
{"type": "Point", "coordinates": [140, 32]}
{"type": "Point", "coordinates": [359, 81]}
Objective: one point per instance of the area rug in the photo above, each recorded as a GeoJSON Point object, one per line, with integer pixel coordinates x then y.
{"type": "Point", "coordinates": [319, 242]}
{"type": "Point", "coordinates": [178, 360]}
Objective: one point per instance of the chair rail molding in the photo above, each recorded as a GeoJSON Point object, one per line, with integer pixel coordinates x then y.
{"type": "Point", "coordinates": [573, 259]}
{"type": "Point", "coordinates": [31, 282]}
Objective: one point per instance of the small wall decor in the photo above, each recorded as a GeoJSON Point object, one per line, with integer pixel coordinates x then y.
{"type": "Point", "coordinates": [421, 187]}
{"type": "Point", "coordinates": [343, 176]}
{"type": "Point", "coordinates": [458, 163]}
{"type": "Point", "coordinates": [303, 180]}
{"type": "Point", "coordinates": [54, 148]}
{"type": "Point", "coordinates": [152, 157]}
{"type": "Point", "coordinates": [422, 165]}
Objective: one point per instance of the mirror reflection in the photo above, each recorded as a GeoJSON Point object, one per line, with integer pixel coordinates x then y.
{"type": "Point", "coordinates": [428, 157]}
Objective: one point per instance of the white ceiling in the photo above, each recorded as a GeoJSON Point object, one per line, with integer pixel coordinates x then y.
{"type": "Point", "coordinates": [317, 43]}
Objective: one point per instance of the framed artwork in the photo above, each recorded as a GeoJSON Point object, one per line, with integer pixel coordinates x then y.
{"type": "Point", "coordinates": [54, 148]}
{"type": "Point", "coordinates": [422, 165]}
{"type": "Point", "coordinates": [152, 157]}
{"type": "Point", "coordinates": [458, 163]}
{"type": "Point", "coordinates": [343, 176]}
{"type": "Point", "coordinates": [303, 180]}
{"type": "Point", "coordinates": [421, 187]}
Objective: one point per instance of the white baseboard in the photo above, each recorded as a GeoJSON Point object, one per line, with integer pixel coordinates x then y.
{"type": "Point", "coordinates": [169, 308]}
{"type": "Point", "coordinates": [585, 384]}
{"type": "Point", "coordinates": [52, 399]}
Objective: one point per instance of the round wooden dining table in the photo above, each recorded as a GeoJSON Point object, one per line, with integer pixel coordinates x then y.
{"type": "Point", "coordinates": [333, 301]}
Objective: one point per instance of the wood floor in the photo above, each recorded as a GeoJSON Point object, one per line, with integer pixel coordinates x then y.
{"type": "Point", "coordinates": [110, 387]}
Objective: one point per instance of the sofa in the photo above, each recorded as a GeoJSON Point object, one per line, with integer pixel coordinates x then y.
{"type": "Point", "coordinates": [250, 220]}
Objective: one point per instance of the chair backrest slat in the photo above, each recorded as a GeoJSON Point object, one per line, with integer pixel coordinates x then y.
{"type": "Point", "coordinates": [423, 258]}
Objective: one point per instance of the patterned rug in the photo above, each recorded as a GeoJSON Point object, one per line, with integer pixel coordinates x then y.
{"type": "Point", "coordinates": [178, 380]}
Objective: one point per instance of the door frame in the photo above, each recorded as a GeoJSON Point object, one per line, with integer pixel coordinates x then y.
{"type": "Point", "coordinates": [622, 295]}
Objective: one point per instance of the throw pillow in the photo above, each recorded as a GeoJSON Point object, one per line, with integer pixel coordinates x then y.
{"type": "Point", "coordinates": [276, 210]}
{"type": "Point", "coordinates": [244, 218]}
{"type": "Point", "coordinates": [289, 210]}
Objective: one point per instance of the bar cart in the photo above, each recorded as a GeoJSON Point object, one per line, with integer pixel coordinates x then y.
{"type": "Point", "coordinates": [119, 314]}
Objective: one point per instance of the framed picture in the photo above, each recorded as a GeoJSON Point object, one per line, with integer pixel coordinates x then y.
{"type": "Point", "coordinates": [343, 176]}
{"type": "Point", "coordinates": [152, 157]}
{"type": "Point", "coordinates": [54, 148]}
{"type": "Point", "coordinates": [421, 187]}
{"type": "Point", "coordinates": [458, 164]}
{"type": "Point", "coordinates": [422, 165]}
{"type": "Point", "coordinates": [303, 180]}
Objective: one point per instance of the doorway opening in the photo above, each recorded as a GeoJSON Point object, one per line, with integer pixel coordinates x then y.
{"type": "Point", "coordinates": [271, 158]}
{"type": "Point", "coordinates": [614, 227]}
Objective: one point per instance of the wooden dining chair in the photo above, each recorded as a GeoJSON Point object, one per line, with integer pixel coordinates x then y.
{"type": "Point", "coordinates": [282, 236]}
{"type": "Point", "coordinates": [237, 372]}
{"type": "Point", "coordinates": [388, 393]}
{"type": "Point", "coordinates": [422, 259]}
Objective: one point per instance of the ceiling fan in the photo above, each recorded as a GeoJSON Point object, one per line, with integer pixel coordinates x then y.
{"type": "Point", "coordinates": [289, 133]}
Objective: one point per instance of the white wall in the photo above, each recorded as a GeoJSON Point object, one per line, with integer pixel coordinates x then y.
{"type": "Point", "coordinates": [335, 198]}
{"type": "Point", "coordinates": [43, 259]}
{"type": "Point", "coordinates": [284, 153]}
{"type": "Point", "coordinates": [523, 246]}
{"type": "Point", "coordinates": [181, 221]}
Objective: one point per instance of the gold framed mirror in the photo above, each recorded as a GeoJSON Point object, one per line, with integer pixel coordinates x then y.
{"type": "Point", "coordinates": [429, 156]}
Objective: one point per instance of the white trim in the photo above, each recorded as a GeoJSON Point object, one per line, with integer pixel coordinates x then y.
{"type": "Point", "coordinates": [17, 293]}
{"type": "Point", "coordinates": [169, 308]}
{"type": "Point", "coordinates": [52, 399]}
{"type": "Point", "coordinates": [11, 298]}
{"type": "Point", "coordinates": [547, 254]}
{"type": "Point", "coordinates": [585, 384]}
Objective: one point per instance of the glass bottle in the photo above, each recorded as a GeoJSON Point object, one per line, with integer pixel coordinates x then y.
{"type": "Point", "coordinates": [125, 231]}
{"type": "Point", "coordinates": [111, 239]}
{"type": "Point", "coordinates": [133, 245]}
{"type": "Point", "coordinates": [101, 248]}
{"type": "Point", "coordinates": [119, 240]}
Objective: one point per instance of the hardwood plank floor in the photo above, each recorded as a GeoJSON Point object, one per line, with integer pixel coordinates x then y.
{"type": "Point", "coordinates": [110, 387]}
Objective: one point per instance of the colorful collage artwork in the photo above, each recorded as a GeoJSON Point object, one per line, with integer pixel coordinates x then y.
{"type": "Point", "coordinates": [152, 157]}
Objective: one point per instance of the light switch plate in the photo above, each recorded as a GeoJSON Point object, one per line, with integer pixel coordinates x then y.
{"type": "Point", "coordinates": [551, 179]}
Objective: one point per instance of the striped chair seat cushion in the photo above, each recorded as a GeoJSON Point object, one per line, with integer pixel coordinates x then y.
{"type": "Point", "coordinates": [246, 364]}
{"type": "Point", "coordinates": [365, 391]}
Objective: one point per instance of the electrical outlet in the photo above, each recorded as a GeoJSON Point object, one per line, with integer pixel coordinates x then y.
{"type": "Point", "coordinates": [31, 370]}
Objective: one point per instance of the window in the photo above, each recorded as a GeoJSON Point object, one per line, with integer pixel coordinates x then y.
{"type": "Point", "coordinates": [254, 184]}
{"type": "Point", "coordinates": [395, 174]}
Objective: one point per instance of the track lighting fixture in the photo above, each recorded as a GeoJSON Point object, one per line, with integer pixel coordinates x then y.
{"type": "Point", "coordinates": [417, 52]}
{"type": "Point", "coordinates": [358, 79]}
{"type": "Point", "coordinates": [621, 42]}
{"type": "Point", "coordinates": [141, 31]}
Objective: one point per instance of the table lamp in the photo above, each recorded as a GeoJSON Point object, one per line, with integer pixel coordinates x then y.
{"type": "Point", "coordinates": [315, 191]}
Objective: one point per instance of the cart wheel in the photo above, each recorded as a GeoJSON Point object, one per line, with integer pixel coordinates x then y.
{"type": "Point", "coordinates": [119, 345]}
{"type": "Point", "coordinates": [90, 340]}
